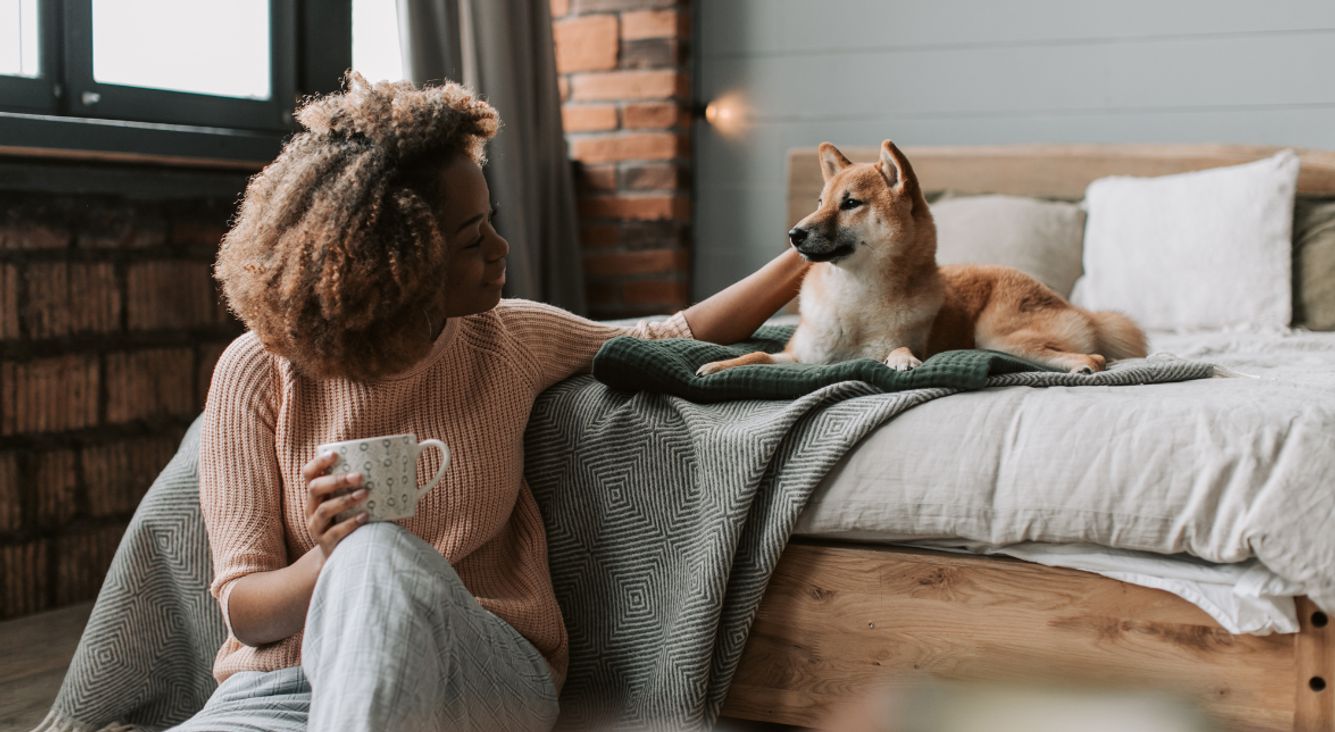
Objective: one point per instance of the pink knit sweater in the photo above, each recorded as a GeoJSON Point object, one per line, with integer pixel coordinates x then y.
{"type": "Point", "coordinates": [474, 391]}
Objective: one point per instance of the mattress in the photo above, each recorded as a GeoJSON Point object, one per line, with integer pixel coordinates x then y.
{"type": "Point", "coordinates": [1220, 490]}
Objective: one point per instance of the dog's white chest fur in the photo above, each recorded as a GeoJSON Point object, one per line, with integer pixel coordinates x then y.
{"type": "Point", "coordinates": [845, 316]}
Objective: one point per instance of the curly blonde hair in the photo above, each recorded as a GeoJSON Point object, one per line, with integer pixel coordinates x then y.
{"type": "Point", "coordinates": [336, 254]}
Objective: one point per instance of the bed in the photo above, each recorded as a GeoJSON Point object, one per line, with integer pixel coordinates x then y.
{"type": "Point", "coordinates": [849, 607]}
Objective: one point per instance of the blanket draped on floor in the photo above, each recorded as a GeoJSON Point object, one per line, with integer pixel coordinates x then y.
{"type": "Point", "coordinates": [665, 519]}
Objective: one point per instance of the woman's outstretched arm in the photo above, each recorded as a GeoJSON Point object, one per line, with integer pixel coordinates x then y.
{"type": "Point", "coordinates": [735, 312]}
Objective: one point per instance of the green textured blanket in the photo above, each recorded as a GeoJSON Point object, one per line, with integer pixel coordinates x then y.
{"type": "Point", "coordinates": [668, 367]}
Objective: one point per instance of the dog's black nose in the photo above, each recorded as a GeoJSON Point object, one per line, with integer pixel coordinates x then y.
{"type": "Point", "coordinates": [797, 236]}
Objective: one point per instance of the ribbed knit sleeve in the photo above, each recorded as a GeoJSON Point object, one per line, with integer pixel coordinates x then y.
{"type": "Point", "coordinates": [557, 344]}
{"type": "Point", "coordinates": [240, 486]}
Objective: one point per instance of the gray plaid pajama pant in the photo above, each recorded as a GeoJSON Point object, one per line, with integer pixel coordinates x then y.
{"type": "Point", "coordinates": [393, 641]}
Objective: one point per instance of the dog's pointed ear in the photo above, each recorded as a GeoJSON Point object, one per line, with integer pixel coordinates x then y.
{"type": "Point", "coordinates": [894, 167]}
{"type": "Point", "coordinates": [831, 160]}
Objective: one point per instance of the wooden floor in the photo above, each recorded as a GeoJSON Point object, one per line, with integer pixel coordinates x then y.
{"type": "Point", "coordinates": [34, 652]}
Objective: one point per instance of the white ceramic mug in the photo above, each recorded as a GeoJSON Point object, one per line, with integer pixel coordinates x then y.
{"type": "Point", "coordinates": [388, 465]}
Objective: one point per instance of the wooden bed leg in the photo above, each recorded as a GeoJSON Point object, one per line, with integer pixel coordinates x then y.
{"type": "Point", "coordinates": [1314, 656]}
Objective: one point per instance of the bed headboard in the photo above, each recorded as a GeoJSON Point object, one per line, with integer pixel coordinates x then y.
{"type": "Point", "coordinates": [1049, 171]}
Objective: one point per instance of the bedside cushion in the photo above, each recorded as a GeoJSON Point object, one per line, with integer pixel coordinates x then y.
{"type": "Point", "coordinates": [1193, 251]}
{"type": "Point", "coordinates": [1041, 238]}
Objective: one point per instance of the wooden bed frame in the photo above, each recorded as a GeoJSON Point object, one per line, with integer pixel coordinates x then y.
{"type": "Point", "coordinates": [839, 619]}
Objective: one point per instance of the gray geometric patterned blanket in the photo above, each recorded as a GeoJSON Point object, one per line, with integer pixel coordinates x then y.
{"type": "Point", "coordinates": [665, 520]}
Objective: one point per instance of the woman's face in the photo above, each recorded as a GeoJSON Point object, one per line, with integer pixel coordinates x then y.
{"type": "Point", "coordinates": [475, 270]}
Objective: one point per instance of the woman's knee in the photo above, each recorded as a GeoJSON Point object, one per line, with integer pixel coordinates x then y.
{"type": "Point", "coordinates": [391, 555]}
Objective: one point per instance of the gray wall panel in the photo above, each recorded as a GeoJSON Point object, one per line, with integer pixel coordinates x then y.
{"type": "Point", "coordinates": [960, 72]}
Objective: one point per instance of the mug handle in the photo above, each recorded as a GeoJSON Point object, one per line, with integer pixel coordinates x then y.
{"type": "Point", "coordinates": [444, 463]}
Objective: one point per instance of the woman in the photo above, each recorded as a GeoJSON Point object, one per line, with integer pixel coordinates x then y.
{"type": "Point", "coordinates": [365, 263]}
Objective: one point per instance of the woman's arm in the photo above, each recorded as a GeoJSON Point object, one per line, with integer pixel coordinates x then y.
{"type": "Point", "coordinates": [269, 606]}
{"type": "Point", "coordinates": [735, 312]}
{"type": "Point", "coordinates": [265, 607]}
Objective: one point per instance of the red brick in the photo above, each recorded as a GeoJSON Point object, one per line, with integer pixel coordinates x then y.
{"type": "Point", "coordinates": [660, 115]}
{"type": "Point", "coordinates": [202, 235]}
{"type": "Point", "coordinates": [635, 208]}
{"type": "Point", "coordinates": [672, 294]}
{"type": "Point", "coordinates": [82, 558]}
{"type": "Point", "coordinates": [640, 24]}
{"type": "Point", "coordinates": [48, 395]}
{"type": "Point", "coordinates": [588, 117]}
{"type": "Point", "coordinates": [638, 146]}
{"type": "Point", "coordinates": [596, 178]}
{"type": "Point", "coordinates": [53, 486]}
{"type": "Point", "coordinates": [650, 261]}
{"type": "Point", "coordinates": [119, 473]}
{"type": "Point", "coordinates": [149, 384]}
{"type": "Point", "coordinates": [620, 85]}
{"type": "Point", "coordinates": [71, 298]}
{"type": "Point", "coordinates": [586, 44]}
{"type": "Point", "coordinates": [651, 177]}
{"type": "Point", "coordinates": [121, 227]}
{"type": "Point", "coordinates": [170, 295]}
{"type": "Point", "coordinates": [665, 234]}
{"type": "Point", "coordinates": [563, 86]}
{"type": "Point", "coordinates": [9, 302]}
{"type": "Point", "coordinates": [11, 514]}
{"type": "Point", "coordinates": [23, 570]}
{"type": "Point", "coordinates": [652, 53]}
{"type": "Point", "coordinates": [560, 8]}
{"type": "Point", "coordinates": [28, 227]}
{"type": "Point", "coordinates": [599, 236]}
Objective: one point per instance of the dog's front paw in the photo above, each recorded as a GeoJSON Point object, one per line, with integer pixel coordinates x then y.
{"type": "Point", "coordinates": [1091, 364]}
{"type": "Point", "coordinates": [902, 359]}
{"type": "Point", "coordinates": [713, 367]}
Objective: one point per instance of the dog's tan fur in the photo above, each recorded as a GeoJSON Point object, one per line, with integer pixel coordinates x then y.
{"type": "Point", "coordinates": [876, 290]}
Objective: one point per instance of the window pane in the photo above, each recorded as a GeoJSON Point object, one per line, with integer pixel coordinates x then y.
{"type": "Point", "coordinates": [375, 40]}
{"type": "Point", "coordinates": [201, 46]}
{"type": "Point", "coordinates": [18, 38]}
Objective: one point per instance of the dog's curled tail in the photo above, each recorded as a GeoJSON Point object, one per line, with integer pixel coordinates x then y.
{"type": "Point", "coordinates": [1118, 336]}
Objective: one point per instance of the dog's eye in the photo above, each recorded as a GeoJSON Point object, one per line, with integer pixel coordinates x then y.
{"type": "Point", "coordinates": [850, 203]}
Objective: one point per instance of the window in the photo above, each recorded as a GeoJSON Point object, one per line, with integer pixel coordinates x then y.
{"type": "Point", "coordinates": [25, 53]}
{"type": "Point", "coordinates": [18, 38]}
{"type": "Point", "coordinates": [184, 79]}
{"type": "Point", "coordinates": [375, 41]}
{"type": "Point", "coordinates": [224, 64]}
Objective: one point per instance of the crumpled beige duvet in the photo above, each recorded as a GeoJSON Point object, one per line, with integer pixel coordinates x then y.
{"type": "Point", "coordinates": [1223, 469]}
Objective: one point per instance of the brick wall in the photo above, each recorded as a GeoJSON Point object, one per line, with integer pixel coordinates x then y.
{"type": "Point", "coordinates": [109, 328]}
{"type": "Point", "coordinates": [624, 77]}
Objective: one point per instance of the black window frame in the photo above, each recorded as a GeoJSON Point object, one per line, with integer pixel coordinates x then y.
{"type": "Point", "coordinates": [310, 47]}
{"type": "Point", "coordinates": [40, 94]}
{"type": "Point", "coordinates": [87, 97]}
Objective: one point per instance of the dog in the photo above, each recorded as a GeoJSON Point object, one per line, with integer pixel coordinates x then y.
{"type": "Point", "coordinates": [876, 291]}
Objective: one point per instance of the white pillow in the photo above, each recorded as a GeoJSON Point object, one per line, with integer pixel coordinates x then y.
{"type": "Point", "coordinates": [1208, 249]}
{"type": "Point", "coordinates": [1040, 238]}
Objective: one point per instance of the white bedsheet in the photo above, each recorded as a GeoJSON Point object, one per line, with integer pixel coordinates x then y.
{"type": "Point", "coordinates": [1238, 471]}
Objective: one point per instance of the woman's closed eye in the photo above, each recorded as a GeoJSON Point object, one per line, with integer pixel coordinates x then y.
{"type": "Point", "coordinates": [489, 221]}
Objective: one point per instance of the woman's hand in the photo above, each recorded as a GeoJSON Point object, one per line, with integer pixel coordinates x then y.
{"type": "Point", "coordinates": [734, 313]}
{"type": "Point", "coordinates": [322, 505]}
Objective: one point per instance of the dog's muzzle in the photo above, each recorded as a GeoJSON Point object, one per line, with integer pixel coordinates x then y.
{"type": "Point", "coordinates": [820, 249]}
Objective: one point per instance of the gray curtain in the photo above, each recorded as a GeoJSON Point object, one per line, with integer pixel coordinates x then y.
{"type": "Point", "coordinates": [503, 49]}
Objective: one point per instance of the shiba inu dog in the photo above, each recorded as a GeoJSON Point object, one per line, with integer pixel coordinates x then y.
{"type": "Point", "coordinates": [876, 290]}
